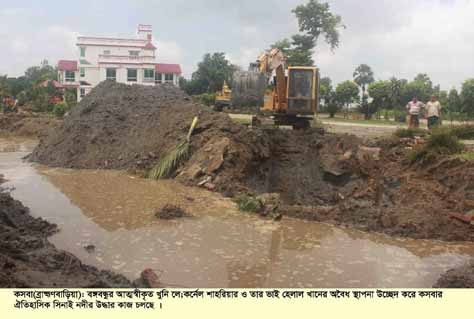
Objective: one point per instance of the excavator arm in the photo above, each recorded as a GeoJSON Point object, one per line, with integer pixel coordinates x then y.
{"type": "Point", "coordinates": [275, 61]}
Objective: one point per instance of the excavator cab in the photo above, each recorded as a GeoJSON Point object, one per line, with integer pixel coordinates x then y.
{"type": "Point", "coordinates": [302, 90]}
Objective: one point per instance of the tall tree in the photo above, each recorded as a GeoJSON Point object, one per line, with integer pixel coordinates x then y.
{"type": "Point", "coordinates": [380, 92]}
{"type": "Point", "coordinates": [347, 93]}
{"type": "Point", "coordinates": [210, 75]}
{"type": "Point", "coordinates": [467, 97]}
{"type": "Point", "coordinates": [315, 19]}
{"type": "Point", "coordinates": [325, 89]}
{"type": "Point", "coordinates": [454, 101]}
{"type": "Point", "coordinates": [396, 88]}
{"type": "Point", "coordinates": [363, 76]}
{"type": "Point", "coordinates": [298, 51]}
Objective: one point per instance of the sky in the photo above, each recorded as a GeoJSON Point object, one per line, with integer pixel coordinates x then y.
{"type": "Point", "coordinates": [395, 37]}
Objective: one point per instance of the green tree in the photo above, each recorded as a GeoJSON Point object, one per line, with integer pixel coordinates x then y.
{"type": "Point", "coordinates": [347, 93]}
{"type": "Point", "coordinates": [37, 74]}
{"type": "Point", "coordinates": [381, 93]}
{"type": "Point", "coordinates": [332, 105]}
{"type": "Point", "coordinates": [315, 19]}
{"type": "Point", "coordinates": [467, 97]}
{"type": "Point", "coordinates": [298, 51]}
{"type": "Point", "coordinates": [421, 87]}
{"type": "Point", "coordinates": [325, 89]}
{"type": "Point", "coordinates": [363, 76]}
{"type": "Point", "coordinates": [454, 101]}
{"type": "Point", "coordinates": [397, 88]}
{"type": "Point", "coordinates": [210, 75]}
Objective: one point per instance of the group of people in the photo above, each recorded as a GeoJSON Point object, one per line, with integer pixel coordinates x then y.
{"type": "Point", "coordinates": [432, 108]}
{"type": "Point", "coordinates": [9, 104]}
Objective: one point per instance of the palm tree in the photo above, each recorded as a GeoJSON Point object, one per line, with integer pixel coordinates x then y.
{"type": "Point", "coordinates": [363, 76]}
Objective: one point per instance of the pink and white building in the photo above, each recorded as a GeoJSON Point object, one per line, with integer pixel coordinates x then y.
{"type": "Point", "coordinates": [130, 61]}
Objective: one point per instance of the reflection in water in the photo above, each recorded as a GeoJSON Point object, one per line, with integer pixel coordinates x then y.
{"type": "Point", "coordinates": [218, 246]}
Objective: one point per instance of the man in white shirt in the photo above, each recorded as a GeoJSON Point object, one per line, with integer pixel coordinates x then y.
{"type": "Point", "coordinates": [414, 108]}
{"type": "Point", "coordinates": [433, 108]}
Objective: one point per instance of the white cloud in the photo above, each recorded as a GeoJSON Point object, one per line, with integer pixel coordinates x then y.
{"type": "Point", "coordinates": [435, 38]}
{"type": "Point", "coordinates": [168, 51]}
{"type": "Point", "coordinates": [26, 46]}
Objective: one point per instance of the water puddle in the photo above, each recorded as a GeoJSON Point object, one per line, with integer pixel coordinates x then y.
{"type": "Point", "coordinates": [217, 247]}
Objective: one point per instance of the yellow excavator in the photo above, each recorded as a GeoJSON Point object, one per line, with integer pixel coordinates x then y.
{"type": "Point", "coordinates": [294, 98]}
{"type": "Point", "coordinates": [223, 97]}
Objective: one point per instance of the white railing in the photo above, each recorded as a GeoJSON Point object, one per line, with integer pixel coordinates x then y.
{"type": "Point", "coordinates": [126, 58]}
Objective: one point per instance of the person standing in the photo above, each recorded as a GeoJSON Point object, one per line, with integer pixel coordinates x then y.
{"type": "Point", "coordinates": [414, 108]}
{"type": "Point", "coordinates": [433, 108]}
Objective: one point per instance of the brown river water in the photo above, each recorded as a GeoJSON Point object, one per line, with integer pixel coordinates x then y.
{"type": "Point", "coordinates": [217, 247]}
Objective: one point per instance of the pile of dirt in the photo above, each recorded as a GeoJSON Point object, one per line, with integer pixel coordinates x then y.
{"type": "Point", "coordinates": [319, 176]}
{"type": "Point", "coordinates": [118, 126]}
{"type": "Point", "coordinates": [462, 277]}
{"type": "Point", "coordinates": [406, 200]}
{"type": "Point", "coordinates": [27, 259]}
{"type": "Point", "coordinates": [26, 124]}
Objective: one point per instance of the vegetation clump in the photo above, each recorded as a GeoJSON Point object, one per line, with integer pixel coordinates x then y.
{"type": "Point", "coordinates": [169, 163]}
{"type": "Point", "coordinates": [464, 132]}
{"type": "Point", "coordinates": [410, 132]}
{"type": "Point", "coordinates": [442, 141]}
{"type": "Point", "coordinates": [248, 204]}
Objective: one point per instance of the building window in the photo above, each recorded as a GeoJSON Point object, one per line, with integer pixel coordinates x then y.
{"type": "Point", "coordinates": [82, 92]}
{"type": "Point", "coordinates": [83, 72]}
{"type": "Point", "coordinates": [70, 76]}
{"type": "Point", "coordinates": [168, 77]}
{"type": "Point", "coordinates": [132, 75]}
{"type": "Point", "coordinates": [148, 75]}
{"type": "Point", "coordinates": [134, 53]}
{"type": "Point", "coordinates": [106, 52]}
{"type": "Point", "coordinates": [158, 77]}
{"type": "Point", "coordinates": [111, 74]}
{"type": "Point", "coordinates": [83, 52]}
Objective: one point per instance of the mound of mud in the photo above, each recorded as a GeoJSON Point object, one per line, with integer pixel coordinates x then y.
{"type": "Point", "coordinates": [27, 259]}
{"type": "Point", "coordinates": [319, 176]}
{"type": "Point", "coordinates": [26, 125]}
{"type": "Point", "coordinates": [462, 277]}
{"type": "Point", "coordinates": [405, 200]}
{"type": "Point", "coordinates": [119, 126]}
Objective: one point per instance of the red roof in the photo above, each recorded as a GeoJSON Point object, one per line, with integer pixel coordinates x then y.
{"type": "Point", "coordinates": [56, 84]}
{"type": "Point", "coordinates": [67, 65]}
{"type": "Point", "coordinates": [149, 46]}
{"type": "Point", "coordinates": [168, 68]}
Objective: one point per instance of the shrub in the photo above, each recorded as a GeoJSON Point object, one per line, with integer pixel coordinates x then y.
{"type": "Point", "coordinates": [465, 132]}
{"type": "Point", "coordinates": [249, 204]}
{"type": "Point", "coordinates": [207, 98]}
{"type": "Point", "coordinates": [441, 142]}
{"type": "Point", "coordinates": [60, 109]}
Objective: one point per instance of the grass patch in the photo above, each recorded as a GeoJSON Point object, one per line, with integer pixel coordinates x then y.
{"type": "Point", "coordinates": [468, 156]}
{"type": "Point", "coordinates": [410, 132]}
{"type": "Point", "coordinates": [248, 204]}
{"type": "Point", "coordinates": [442, 141]}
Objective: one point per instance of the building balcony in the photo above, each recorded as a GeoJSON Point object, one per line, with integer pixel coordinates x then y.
{"type": "Point", "coordinates": [129, 59]}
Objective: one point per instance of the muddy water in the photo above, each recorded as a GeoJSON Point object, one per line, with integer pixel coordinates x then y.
{"type": "Point", "coordinates": [218, 246]}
